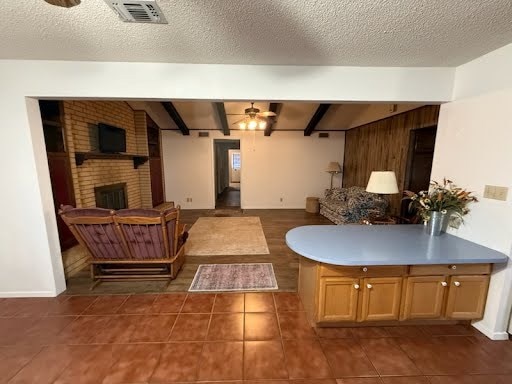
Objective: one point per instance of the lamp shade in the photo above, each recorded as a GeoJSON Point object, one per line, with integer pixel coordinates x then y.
{"type": "Point", "coordinates": [333, 167]}
{"type": "Point", "coordinates": [383, 182]}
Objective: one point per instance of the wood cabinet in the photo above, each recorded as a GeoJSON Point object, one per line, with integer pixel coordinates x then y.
{"type": "Point", "coordinates": [423, 297]}
{"type": "Point", "coordinates": [381, 298]}
{"type": "Point", "coordinates": [352, 299]}
{"type": "Point", "coordinates": [58, 165]}
{"type": "Point", "coordinates": [393, 293]}
{"type": "Point", "coordinates": [466, 297]}
{"type": "Point", "coordinates": [338, 299]}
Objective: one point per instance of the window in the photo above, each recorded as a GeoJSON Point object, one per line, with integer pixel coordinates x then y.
{"type": "Point", "coordinates": [235, 161]}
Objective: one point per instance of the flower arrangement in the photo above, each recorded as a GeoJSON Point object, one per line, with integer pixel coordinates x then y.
{"type": "Point", "coordinates": [446, 198]}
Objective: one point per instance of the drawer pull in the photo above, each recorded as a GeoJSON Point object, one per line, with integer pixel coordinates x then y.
{"type": "Point", "coordinates": [453, 267]}
{"type": "Point", "coordinates": [369, 286]}
{"type": "Point", "coordinates": [356, 286]}
{"type": "Point", "coordinates": [365, 269]}
{"type": "Point", "coordinates": [444, 283]}
{"type": "Point", "coordinates": [456, 283]}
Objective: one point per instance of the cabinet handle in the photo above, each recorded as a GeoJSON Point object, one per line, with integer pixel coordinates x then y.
{"type": "Point", "coordinates": [453, 267]}
{"type": "Point", "coordinates": [456, 283]}
{"type": "Point", "coordinates": [444, 283]}
{"type": "Point", "coordinates": [356, 286]}
{"type": "Point", "coordinates": [365, 269]}
{"type": "Point", "coordinates": [369, 286]}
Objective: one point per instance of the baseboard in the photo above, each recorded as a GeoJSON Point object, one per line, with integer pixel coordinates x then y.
{"type": "Point", "coordinates": [28, 294]}
{"type": "Point", "coordinates": [491, 334]}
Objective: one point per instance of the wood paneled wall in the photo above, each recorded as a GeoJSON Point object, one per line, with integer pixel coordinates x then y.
{"type": "Point", "coordinates": [383, 146]}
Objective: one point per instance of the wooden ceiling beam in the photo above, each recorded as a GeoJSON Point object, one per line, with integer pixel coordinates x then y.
{"type": "Point", "coordinates": [276, 108]}
{"type": "Point", "coordinates": [175, 116]}
{"type": "Point", "coordinates": [221, 114]}
{"type": "Point", "coordinates": [319, 113]}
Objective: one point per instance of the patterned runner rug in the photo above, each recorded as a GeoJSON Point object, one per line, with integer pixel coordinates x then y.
{"type": "Point", "coordinates": [226, 236]}
{"type": "Point", "coordinates": [234, 277]}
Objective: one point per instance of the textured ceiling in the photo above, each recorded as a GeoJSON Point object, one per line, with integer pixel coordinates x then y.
{"type": "Point", "coordinates": [294, 32]}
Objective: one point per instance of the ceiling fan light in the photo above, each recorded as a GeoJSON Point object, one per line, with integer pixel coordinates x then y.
{"type": "Point", "coordinates": [242, 125]}
{"type": "Point", "coordinates": [262, 125]}
{"type": "Point", "coordinates": [252, 124]}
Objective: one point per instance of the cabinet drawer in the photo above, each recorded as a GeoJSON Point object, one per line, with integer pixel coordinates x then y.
{"type": "Point", "coordinates": [450, 269]}
{"type": "Point", "coordinates": [362, 271]}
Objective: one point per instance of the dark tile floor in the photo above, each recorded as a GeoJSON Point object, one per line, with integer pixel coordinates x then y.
{"type": "Point", "coordinates": [254, 337]}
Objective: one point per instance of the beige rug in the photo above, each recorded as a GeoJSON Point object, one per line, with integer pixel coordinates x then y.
{"type": "Point", "coordinates": [211, 236]}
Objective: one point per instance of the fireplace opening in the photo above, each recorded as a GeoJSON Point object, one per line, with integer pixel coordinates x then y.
{"type": "Point", "coordinates": [113, 196]}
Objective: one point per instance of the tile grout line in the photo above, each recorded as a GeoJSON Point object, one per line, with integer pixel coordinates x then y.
{"type": "Point", "coordinates": [280, 336]}
{"type": "Point", "coordinates": [198, 369]}
{"type": "Point", "coordinates": [409, 356]}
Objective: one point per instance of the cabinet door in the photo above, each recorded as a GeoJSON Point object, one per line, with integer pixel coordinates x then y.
{"type": "Point", "coordinates": [338, 299]}
{"type": "Point", "coordinates": [424, 297]}
{"type": "Point", "coordinates": [381, 298]}
{"type": "Point", "coordinates": [466, 297]}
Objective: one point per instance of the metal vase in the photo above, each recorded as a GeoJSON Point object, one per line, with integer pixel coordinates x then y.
{"type": "Point", "coordinates": [436, 223]}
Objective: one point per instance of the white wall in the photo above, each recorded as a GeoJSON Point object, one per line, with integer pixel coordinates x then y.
{"type": "Point", "coordinates": [473, 148]}
{"type": "Point", "coordinates": [286, 165]}
{"type": "Point", "coordinates": [30, 259]}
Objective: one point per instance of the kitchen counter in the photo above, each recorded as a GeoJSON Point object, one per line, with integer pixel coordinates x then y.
{"type": "Point", "coordinates": [356, 245]}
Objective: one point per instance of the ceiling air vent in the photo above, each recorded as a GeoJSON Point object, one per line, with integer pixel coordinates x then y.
{"type": "Point", "coordinates": [204, 134]}
{"type": "Point", "coordinates": [138, 11]}
{"type": "Point", "coordinates": [323, 134]}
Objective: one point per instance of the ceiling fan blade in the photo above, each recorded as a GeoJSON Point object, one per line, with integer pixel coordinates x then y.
{"type": "Point", "coordinates": [239, 121]}
{"type": "Point", "coordinates": [63, 3]}
{"type": "Point", "coordinates": [235, 114]}
{"type": "Point", "coordinates": [267, 114]}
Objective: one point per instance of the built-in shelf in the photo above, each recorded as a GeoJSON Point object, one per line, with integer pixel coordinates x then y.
{"type": "Point", "coordinates": [81, 157]}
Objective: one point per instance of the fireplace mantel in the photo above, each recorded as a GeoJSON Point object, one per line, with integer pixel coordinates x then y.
{"type": "Point", "coordinates": [81, 157]}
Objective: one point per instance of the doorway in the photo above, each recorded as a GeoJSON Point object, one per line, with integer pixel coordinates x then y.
{"type": "Point", "coordinates": [228, 168]}
{"type": "Point", "coordinates": [419, 163]}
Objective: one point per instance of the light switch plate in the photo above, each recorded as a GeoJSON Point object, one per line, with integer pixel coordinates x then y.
{"type": "Point", "coordinates": [495, 192]}
{"type": "Point", "coordinates": [500, 193]}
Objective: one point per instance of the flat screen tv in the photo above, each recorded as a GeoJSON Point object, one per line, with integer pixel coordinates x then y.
{"type": "Point", "coordinates": [111, 139]}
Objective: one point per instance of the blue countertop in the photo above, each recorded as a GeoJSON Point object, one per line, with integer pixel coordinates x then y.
{"type": "Point", "coordinates": [385, 245]}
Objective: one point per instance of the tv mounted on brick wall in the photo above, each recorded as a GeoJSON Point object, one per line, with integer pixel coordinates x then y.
{"type": "Point", "coordinates": [111, 139]}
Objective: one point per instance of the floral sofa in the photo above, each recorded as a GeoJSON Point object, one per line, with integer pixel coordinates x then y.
{"type": "Point", "coordinates": [351, 205]}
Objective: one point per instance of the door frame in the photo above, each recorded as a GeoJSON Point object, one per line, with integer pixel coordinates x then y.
{"type": "Point", "coordinates": [214, 164]}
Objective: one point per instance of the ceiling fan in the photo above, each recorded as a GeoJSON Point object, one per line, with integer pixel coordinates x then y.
{"type": "Point", "coordinates": [63, 3]}
{"type": "Point", "coordinates": [254, 118]}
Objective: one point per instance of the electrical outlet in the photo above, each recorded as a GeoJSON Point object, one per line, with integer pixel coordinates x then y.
{"type": "Point", "coordinates": [281, 199]}
{"type": "Point", "coordinates": [495, 192]}
{"type": "Point", "coordinates": [189, 199]}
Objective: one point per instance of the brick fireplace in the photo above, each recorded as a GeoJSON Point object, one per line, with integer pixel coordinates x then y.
{"type": "Point", "coordinates": [109, 183]}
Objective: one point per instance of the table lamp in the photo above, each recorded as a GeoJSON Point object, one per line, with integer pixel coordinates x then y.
{"type": "Point", "coordinates": [333, 168]}
{"type": "Point", "coordinates": [382, 183]}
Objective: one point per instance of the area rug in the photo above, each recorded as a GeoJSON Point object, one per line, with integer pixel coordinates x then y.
{"type": "Point", "coordinates": [234, 277]}
{"type": "Point", "coordinates": [227, 236]}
